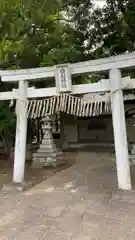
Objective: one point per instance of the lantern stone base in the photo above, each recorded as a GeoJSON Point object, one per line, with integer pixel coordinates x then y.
{"type": "Point", "coordinates": [47, 159]}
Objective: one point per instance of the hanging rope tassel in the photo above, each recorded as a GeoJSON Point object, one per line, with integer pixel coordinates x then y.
{"type": "Point", "coordinates": [34, 107]}
{"type": "Point", "coordinates": [63, 102]}
{"type": "Point", "coordinates": [91, 109]}
{"type": "Point", "coordinates": [44, 108]}
{"type": "Point", "coordinates": [100, 108]}
{"type": "Point", "coordinates": [53, 105]}
{"type": "Point", "coordinates": [50, 107]}
{"type": "Point", "coordinates": [83, 109]}
{"type": "Point", "coordinates": [69, 101]}
{"type": "Point", "coordinates": [39, 109]}
{"type": "Point", "coordinates": [57, 104]}
{"type": "Point", "coordinates": [75, 105]}
{"type": "Point", "coordinates": [11, 103]}
{"type": "Point", "coordinates": [78, 107]}
{"type": "Point", "coordinates": [72, 105]}
{"type": "Point", "coordinates": [87, 109]}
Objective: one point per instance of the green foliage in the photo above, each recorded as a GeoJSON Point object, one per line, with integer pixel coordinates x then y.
{"type": "Point", "coordinates": [7, 126]}
{"type": "Point", "coordinates": [7, 119]}
{"type": "Point", "coordinates": [41, 33]}
{"type": "Point", "coordinates": [114, 28]}
{"type": "Point", "coordinates": [44, 32]}
{"type": "Point", "coordinates": [26, 28]}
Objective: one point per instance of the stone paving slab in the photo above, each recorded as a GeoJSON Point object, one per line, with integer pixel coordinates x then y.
{"type": "Point", "coordinates": [79, 203]}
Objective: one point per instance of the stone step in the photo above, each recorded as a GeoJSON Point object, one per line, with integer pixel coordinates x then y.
{"type": "Point", "coordinates": [47, 150]}
{"type": "Point", "coordinates": [47, 137]}
{"type": "Point", "coordinates": [44, 155]}
{"type": "Point", "coordinates": [47, 142]}
{"type": "Point", "coordinates": [42, 162]}
{"type": "Point", "coordinates": [45, 158]}
{"type": "Point", "coordinates": [46, 146]}
{"type": "Point", "coordinates": [47, 154]}
{"type": "Point", "coordinates": [53, 156]}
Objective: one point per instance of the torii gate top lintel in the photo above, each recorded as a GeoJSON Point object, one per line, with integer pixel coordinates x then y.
{"type": "Point", "coordinates": [99, 65]}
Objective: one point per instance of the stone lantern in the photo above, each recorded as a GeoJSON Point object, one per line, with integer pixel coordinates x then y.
{"type": "Point", "coordinates": [47, 155]}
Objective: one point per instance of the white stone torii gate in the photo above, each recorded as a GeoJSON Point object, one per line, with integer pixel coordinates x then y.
{"type": "Point", "coordinates": [115, 85]}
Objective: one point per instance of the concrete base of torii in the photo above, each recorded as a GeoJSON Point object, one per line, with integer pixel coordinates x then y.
{"type": "Point", "coordinates": [47, 155]}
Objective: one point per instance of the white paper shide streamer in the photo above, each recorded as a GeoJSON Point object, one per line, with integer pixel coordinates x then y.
{"type": "Point", "coordinates": [89, 105]}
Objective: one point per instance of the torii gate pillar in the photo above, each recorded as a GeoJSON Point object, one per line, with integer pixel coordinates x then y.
{"type": "Point", "coordinates": [21, 132]}
{"type": "Point", "coordinates": [119, 127]}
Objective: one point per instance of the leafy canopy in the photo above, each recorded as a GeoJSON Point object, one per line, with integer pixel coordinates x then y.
{"type": "Point", "coordinates": [41, 33]}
